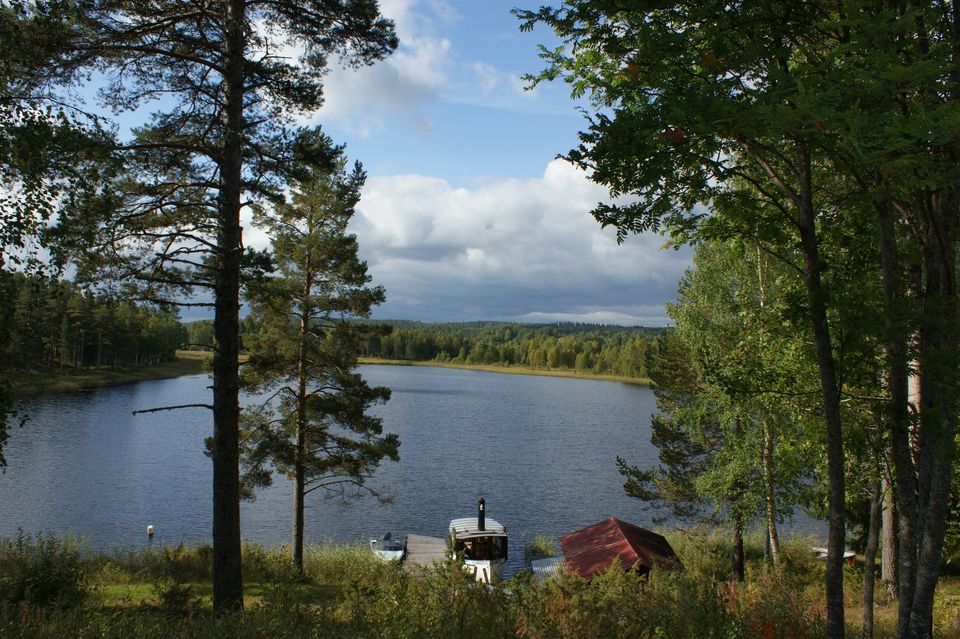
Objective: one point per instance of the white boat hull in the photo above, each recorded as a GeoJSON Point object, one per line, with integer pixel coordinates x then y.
{"type": "Point", "coordinates": [485, 571]}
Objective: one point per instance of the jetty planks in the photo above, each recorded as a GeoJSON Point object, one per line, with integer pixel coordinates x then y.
{"type": "Point", "coordinates": [423, 551]}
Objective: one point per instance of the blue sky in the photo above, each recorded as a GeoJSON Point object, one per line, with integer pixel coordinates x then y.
{"type": "Point", "coordinates": [466, 214]}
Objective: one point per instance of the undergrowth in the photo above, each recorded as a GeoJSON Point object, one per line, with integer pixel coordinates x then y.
{"type": "Point", "coordinates": [345, 591]}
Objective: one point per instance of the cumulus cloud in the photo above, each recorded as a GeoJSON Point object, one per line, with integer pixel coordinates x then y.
{"type": "Point", "coordinates": [425, 69]}
{"type": "Point", "coordinates": [510, 249]}
{"type": "Point", "coordinates": [487, 77]}
{"type": "Point", "coordinates": [361, 100]}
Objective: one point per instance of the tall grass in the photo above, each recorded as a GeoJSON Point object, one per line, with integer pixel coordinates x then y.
{"type": "Point", "coordinates": [347, 592]}
{"type": "Point", "coordinates": [42, 571]}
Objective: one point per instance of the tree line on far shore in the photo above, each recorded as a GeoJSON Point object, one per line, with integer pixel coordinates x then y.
{"type": "Point", "coordinates": [55, 325]}
{"type": "Point", "coordinates": [594, 348]}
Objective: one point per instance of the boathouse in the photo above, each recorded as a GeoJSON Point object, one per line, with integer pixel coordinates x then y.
{"type": "Point", "coordinates": [590, 550]}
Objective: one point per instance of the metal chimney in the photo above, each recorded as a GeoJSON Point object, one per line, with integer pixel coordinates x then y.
{"type": "Point", "coordinates": [481, 514]}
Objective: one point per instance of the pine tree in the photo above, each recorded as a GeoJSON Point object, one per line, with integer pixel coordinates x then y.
{"type": "Point", "coordinates": [315, 427]}
{"type": "Point", "coordinates": [219, 140]}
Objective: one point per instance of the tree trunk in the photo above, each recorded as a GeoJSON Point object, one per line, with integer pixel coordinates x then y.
{"type": "Point", "coordinates": [899, 418]}
{"type": "Point", "coordinates": [938, 405]}
{"type": "Point", "coordinates": [870, 559]}
{"type": "Point", "coordinates": [771, 505]}
{"type": "Point", "coordinates": [299, 475]}
{"type": "Point", "coordinates": [738, 567]}
{"type": "Point", "coordinates": [303, 375]}
{"type": "Point", "coordinates": [298, 498]}
{"type": "Point", "coordinates": [227, 570]}
{"type": "Point", "coordinates": [773, 539]}
{"type": "Point", "coordinates": [830, 396]}
{"type": "Point", "coordinates": [888, 568]}
{"type": "Point", "coordinates": [939, 343]}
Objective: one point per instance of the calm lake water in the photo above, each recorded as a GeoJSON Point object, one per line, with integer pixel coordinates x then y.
{"type": "Point", "coordinates": [541, 450]}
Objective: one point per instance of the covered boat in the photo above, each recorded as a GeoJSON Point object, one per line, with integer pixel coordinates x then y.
{"type": "Point", "coordinates": [482, 543]}
{"type": "Point", "coordinates": [388, 548]}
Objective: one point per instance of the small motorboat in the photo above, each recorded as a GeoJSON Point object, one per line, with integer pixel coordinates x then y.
{"type": "Point", "coordinates": [388, 548]}
{"type": "Point", "coordinates": [848, 555]}
{"type": "Point", "coordinates": [482, 543]}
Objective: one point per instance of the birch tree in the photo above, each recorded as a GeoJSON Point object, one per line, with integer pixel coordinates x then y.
{"type": "Point", "coordinates": [692, 98]}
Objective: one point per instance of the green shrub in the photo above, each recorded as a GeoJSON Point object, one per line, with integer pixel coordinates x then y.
{"type": "Point", "coordinates": [176, 598]}
{"type": "Point", "coordinates": [541, 547]}
{"type": "Point", "coordinates": [445, 602]}
{"type": "Point", "coordinates": [347, 592]}
{"type": "Point", "coordinates": [680, 605]}
{"type": "Point", "coordinates": [42, 571]}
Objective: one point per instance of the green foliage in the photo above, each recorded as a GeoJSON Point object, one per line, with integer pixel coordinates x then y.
{"type": "Point", "coordinates": [56, 324]}
{"type": "Point", "coordinates": [541, 547]}
{"type": "Point", "coordinates": [600, 349]}
{"type": "Point", "coordinates": [176, 598]}
{"type": "Point", "coordinates": [42, 571]}
{"type": "Point", "coordinates": [825, 135]}
{"type": "Point", "coordinates": [347, 592]}
{"type": "Point", "coordinates": [732, 371]}
{"type": "Point", "coordinates": [668, 604]}
{"type": "Point", "coordinates": [315, 425]}
{"type": "Point", "coordinates": [951, 551]}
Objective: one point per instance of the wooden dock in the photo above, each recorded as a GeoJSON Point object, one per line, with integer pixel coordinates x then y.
{"type": "Point", "coordinates": [423, 552]}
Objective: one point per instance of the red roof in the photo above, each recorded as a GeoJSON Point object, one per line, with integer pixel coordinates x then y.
{"type": "Point", "coordinates": [591, 549]}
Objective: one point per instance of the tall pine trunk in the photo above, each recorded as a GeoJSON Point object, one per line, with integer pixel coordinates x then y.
{"type": "Point", "coordinates": [299, 483]}
{"type": "Point", "coordinates": [227, 570]}
{"type": "Point", "coordinates": [830, 395]}
{"type": "Point", "coordinates": [299, 472]}
{"type": "Point", "coordinates": [870, 558]}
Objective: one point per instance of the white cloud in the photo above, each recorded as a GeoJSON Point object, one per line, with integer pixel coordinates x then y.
{"type": "Point", "coordinates": [362, 100]}
{"type": "Point", "coordinates": [510, 249]}
{"type": "Point", "coordinates": [487, 76]}
{"type": "Point", "coordinates": [425, 69]}
{"type": "Point", "coordinates": [423, 62]}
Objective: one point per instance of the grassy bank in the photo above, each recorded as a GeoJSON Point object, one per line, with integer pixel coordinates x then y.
{"type": "Point", "coordinates": [52, 588]}
{"type": "Point", "coordinates": [191, 362]}
{"type": "Point", "coordinates": [35, 383]}
{"type": "Point", "coordinates": [510, 370]}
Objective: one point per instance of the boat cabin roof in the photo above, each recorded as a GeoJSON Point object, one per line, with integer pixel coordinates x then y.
{"type": "Point", "coordinates": [467, 527]}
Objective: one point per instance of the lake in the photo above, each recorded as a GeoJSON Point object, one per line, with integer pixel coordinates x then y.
{"type": "Point", "coordinates": [541, 450]}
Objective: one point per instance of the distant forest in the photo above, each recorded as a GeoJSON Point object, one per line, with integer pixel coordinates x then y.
{"type": "Point", "coordinates": [594, 348]}
{"type": "Point", "coordinates": [56, 325]}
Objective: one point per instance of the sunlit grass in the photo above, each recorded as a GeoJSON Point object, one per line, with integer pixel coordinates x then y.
{"type": "Point", "coordinates": [510, 369]}
{"type": "Point", "coordinates": [345, 591]}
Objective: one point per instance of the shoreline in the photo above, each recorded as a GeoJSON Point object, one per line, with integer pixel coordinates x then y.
{"type": "Point", "coordinates": [29, 384]}
{"type": "Point", "coordinates": [508, 370]}
{"type": "Point", "coordinates": [191, 363]}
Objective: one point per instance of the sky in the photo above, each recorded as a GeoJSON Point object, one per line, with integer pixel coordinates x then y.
{"type": "Point", "coordinates": [467, 214]}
